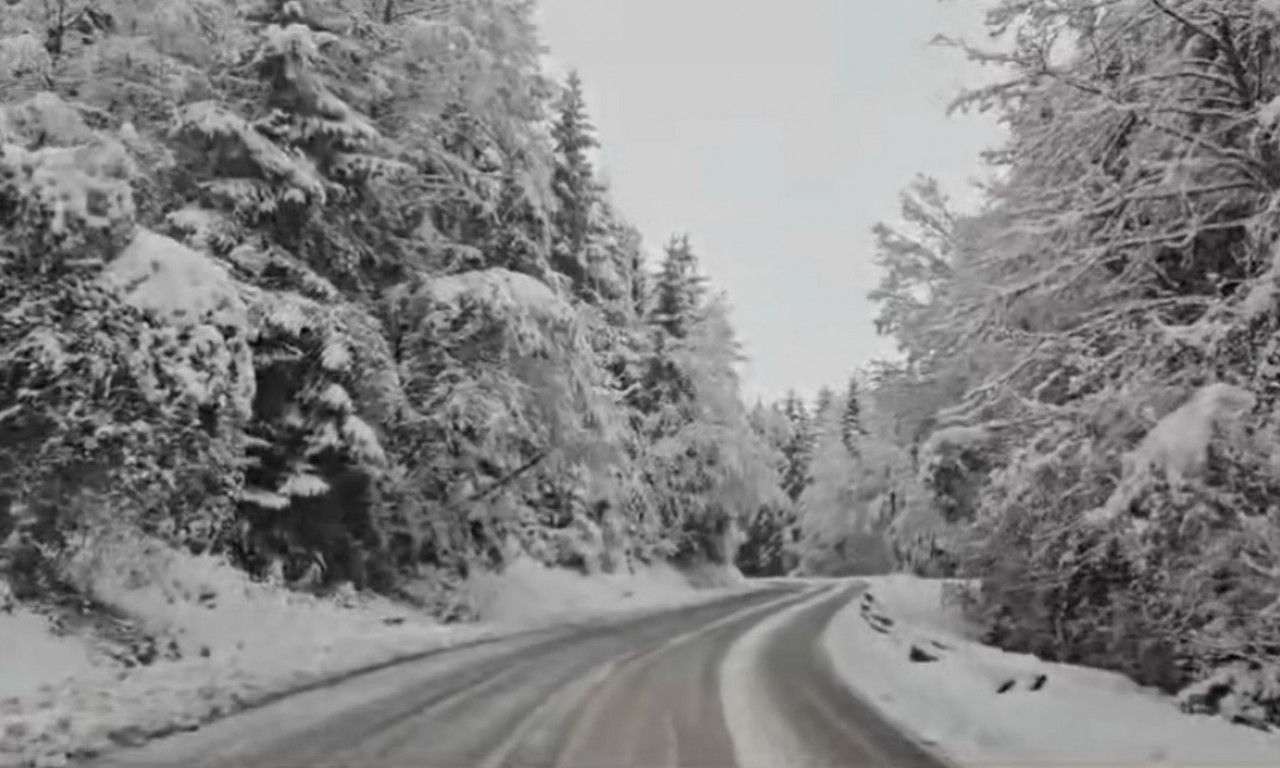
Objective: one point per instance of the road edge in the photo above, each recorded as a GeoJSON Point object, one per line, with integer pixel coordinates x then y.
{"type": "Point", "coordinates": [823, 654]}
{"type": "Point", "coordinates": [481, 637]}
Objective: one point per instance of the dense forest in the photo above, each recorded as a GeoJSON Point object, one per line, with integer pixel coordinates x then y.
{"type": "Point", "coordinates": [1084, 415]}
{"type": "Point", "coordinates": [333, 288]}
{"type": "Point", "coordinates": [1087, 396]}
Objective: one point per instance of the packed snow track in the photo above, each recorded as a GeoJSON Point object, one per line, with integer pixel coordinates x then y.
{"type": "Point", "coordinates": [738, 682]}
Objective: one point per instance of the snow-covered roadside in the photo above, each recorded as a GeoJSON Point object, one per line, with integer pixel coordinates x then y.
{"type": "Point", "coordinates": [243, 643]}
{"type": "Point", "coordinates": [527, 591]}
{"type": "Point", "coordinates": [30, 656]}
{"type": "Point", "coordinates": [902, 650]}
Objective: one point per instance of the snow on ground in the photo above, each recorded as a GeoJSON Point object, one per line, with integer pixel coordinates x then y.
{"type": "Point", "coordinates": [32, 656]}
{"type": "Point", "coordinates": [529, 591]}
{"type": "Point", "coordinates": [1049, 714]}
{"type": "Point", "coordinates": [243, 642]}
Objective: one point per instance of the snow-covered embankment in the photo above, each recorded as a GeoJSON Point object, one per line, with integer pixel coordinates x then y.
{"type": "Point", "coordinates": [902, 649]}
{"type": "Point", "coordinates": [227, 643]}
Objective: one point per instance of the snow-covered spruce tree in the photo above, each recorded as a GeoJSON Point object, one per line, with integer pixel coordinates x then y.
{"type": "Point", "coordinates": [123, 355]}
{"type": "Point", "coordinates": [275, 170]}
{"type": "Point", "coordinates": [709, 469]}
{"type": "Point", "coordinates": [851, 419]}
{"type": "Point", "coordinates": [1131, 255]}
{"type": "Point", "coordinates": [149, 67]}
{"type": "Point", "coordinates": [704, 465]}
{"type": "Point", "coordinates": [768, 545]}
{"type": "Point", "coordinates": [575, 185]}
{"type": "Point", "coordinates": [825, 398]}
{"type": "Point", "coordinates": [841, 524]}
{"type": "Point", "coordinates": [679, 290]}
{"type": "Point", "coordinates": [798, 450]}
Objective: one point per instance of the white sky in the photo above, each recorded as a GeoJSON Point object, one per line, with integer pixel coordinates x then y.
{"type": "Point", "coordinates": [776, 133]}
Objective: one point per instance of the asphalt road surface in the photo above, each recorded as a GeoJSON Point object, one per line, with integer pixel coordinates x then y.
{"type": "Point", "coordinates": [644, 692]}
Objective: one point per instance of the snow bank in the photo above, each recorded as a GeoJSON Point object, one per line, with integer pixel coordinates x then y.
{"type": "Point", "coordinates": [529, 591]}
{"type": "Point", "coordinates": [210, 609]}
{"type": "Point", "coordinates": [31, 655]}
{"type": "Point", "coordinates": [242, 642]}
{"type": "Point", "coordinates": [903, 651]}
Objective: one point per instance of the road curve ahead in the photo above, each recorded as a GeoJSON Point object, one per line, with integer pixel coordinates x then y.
{"type": "Point", "coordinates": [644, 692]}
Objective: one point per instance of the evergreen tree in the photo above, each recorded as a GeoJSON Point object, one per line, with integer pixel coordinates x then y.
{"type": "Point", "coordinates": [851, 421]}
{"type": "Point", "coordinates": [574, 183]}
{"type": "Point", "coordinates": [673, 311]}
{"type": "Point", "coordinates": [823, 402]}
{"type": "Point", "coordinates": [767, 549]}
{"type": "Point", "coordinates": [678, 289]}
{"type": "Point", "coordinates": [382, 321]}
{"type": "Point", "coordinates": [798, 450]}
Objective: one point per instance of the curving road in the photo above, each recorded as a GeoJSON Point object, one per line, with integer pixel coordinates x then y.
{"type": "Point", "coordinates": [738, 682]}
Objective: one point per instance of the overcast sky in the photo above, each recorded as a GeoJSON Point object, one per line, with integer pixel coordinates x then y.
{"type": "Point", "coordinates": [776, 133]}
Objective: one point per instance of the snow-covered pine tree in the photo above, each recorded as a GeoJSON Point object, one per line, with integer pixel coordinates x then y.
{"type": "Point", "coordinates": [712, 470]}
{"type": "Point", "coordinates": [665, 392]}
{"type": "Point", "coordinates": [574, 182]}
{"type": "Point", "coordinates": [767, 547]}
{"type": "Point", "coordinates": [822, 403]}
{"type": "Point", "coordinates": [851, 419]}
{"type": "Point", "coordinates": [798, 450]}
{"type": "Point", "coordinates": [678, 289]}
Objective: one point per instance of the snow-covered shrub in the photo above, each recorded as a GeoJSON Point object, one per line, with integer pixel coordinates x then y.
{"type": "Point", "coordinates": [954, 463]}
{"type": "Point", "coordinates": [708, 468]}
{"type": "Point", "coordinates": [517, 431]}
{"type": "Point", "coordinates": [324, 374]}
{"type": "Point", "coordinates": [1165, 586]}
{"type": "Point", "coordinates": [108, 401]}
{"type": "Point", "coordinates": [1248, 694]}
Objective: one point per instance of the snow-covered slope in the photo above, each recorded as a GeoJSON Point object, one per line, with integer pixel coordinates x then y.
{"type": "Point", "coordinates": [899, 647]}
{"type": "Point", "coordinates": [31, 655]}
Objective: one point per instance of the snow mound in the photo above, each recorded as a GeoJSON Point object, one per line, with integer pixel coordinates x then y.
{"type": "Point", "coordinates": [206, 344]}
{"type": "Point", "coordinates": [182, 286]}
{"type": "Point", "coordinates": [904, 650]}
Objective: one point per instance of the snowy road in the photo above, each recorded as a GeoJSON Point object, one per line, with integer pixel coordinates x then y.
{"type": "Point", "coordinates": [667, 689]}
